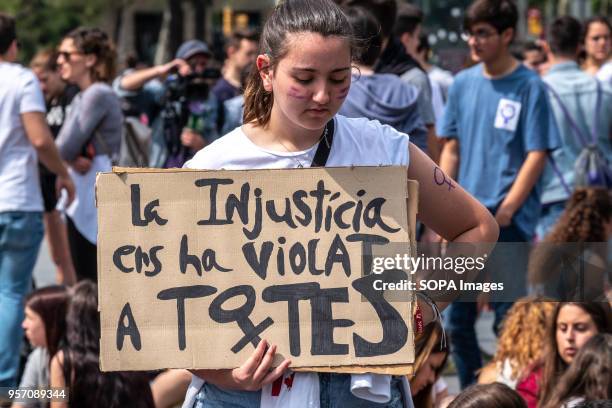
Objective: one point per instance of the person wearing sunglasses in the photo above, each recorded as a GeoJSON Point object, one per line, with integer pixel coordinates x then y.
{"type": "Point", "coordinates": [90, 136]}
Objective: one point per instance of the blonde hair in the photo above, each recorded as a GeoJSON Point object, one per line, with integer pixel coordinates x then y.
{"type": "Point", "coordinates": [523, 335]}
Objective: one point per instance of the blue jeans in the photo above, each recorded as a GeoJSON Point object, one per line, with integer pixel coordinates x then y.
{"type": "Point", "coordinates": [548, 218]}
{"type": "Point", "coordinates": [511, 268]}
{"type": "Point", "coordinates": [20, 236]}
{"type": "Point", "coordinates": [334, 393]}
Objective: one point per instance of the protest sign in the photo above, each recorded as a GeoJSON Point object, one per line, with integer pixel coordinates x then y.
{"type": "Point", "coordinates": [196, 267]}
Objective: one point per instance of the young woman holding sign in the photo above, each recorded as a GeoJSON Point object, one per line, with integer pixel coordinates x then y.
{"type": "Point", "coordinates": [303, 75]}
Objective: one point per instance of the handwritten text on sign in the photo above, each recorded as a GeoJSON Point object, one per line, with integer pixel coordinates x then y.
{"type": "Point", "coordinates": [196, 267]}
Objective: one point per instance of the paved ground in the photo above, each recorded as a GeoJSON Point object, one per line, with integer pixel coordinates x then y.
{"type": "Point", "coordinates": [44, 274]}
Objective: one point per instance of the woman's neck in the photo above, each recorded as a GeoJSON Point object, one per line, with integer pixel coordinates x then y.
{"type": "Point", "coordinates": [591, 65]}
{"type": "Point", "coordinates": [282, 135]}
{"type": "Point", "coordinates": [84, 82]}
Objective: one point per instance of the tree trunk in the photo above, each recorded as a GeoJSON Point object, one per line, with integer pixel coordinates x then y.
{"type": "Point", "coordinates": [199, 16]}
{"type": "Point", "coordinates": [175, 35]}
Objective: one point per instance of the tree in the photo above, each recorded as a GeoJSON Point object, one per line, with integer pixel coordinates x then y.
{"type": "Point", "coordinates": [43, 23]}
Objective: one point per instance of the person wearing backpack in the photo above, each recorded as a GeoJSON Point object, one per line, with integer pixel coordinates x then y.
{"type": "Point", "coordinates": [582, 108]}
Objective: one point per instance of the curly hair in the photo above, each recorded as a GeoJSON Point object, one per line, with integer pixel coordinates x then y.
{"type": "Point", "coordinates": [523, 333]}
{"type": "Point", "coordinates": [584, 218]}
{"type": "Point", "coordinates": [94, 41]}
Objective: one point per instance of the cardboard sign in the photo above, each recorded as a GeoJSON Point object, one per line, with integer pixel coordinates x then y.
{"type": "Point", "coordinates": [196, 267]}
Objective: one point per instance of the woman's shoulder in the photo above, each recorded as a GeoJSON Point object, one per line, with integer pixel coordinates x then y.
{"type": "Point", "coordinates": [214, 155]}
{"type": "Point", "coordinates": [368, 142]}
{"type": "Point", "coordinates": [99, 91]}
{"type": "Point", "coordinates": [364, 127]}
{"type": "Point", "coordinates": [363, 131]}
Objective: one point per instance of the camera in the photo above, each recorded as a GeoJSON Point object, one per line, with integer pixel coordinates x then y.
{"type": "Point", "coordinates": [192, 87]}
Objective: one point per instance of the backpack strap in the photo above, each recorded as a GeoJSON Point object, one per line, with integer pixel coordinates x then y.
{"type": "Point", "coordinates": [596, 114]}
{"type": "Point", "coordinates": [322, 153]}
{"type": "Point", "coordinates": [579, 135]}
{"type": "Point", "coordinates": [556, 170]}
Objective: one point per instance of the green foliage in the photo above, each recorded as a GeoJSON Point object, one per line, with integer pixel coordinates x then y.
{"type": "Point", "coordinates": [43, 23]}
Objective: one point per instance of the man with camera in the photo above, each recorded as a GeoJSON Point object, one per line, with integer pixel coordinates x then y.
{"type": "Point", "coordinates": [176, 98]}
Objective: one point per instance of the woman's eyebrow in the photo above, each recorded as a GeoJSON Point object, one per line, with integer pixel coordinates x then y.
{"type": "Point", "coordinates": [314, 70]}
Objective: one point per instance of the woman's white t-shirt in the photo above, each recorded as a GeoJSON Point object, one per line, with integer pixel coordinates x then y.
{"type": "Point", "coordinates": [356, 142]}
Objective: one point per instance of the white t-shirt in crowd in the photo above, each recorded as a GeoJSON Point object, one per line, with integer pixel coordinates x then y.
{"type": "Point", "coordinates": [19, 93]}
{"type": "Point", "coordinates": [356, 142]}
{"type": "Point", "coordinates": [605, 73]}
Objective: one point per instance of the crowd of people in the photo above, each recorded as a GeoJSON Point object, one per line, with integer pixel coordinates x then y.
{"type": "Point", "coordinates": [526, 134]}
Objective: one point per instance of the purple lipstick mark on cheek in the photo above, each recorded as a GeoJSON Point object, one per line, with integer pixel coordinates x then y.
{"type": "Point", "coordinates": [343, 93]}
{"type": "Point", "coordinates": [295, 93]}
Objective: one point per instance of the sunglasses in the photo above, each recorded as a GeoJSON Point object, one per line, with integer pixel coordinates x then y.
{"type": "Point", "coordinates": [67, 54]}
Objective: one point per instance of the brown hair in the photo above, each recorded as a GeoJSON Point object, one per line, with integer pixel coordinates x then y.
{"type": "Point", "coordinates": [589, 376]}
{"type": "Point", "coordinates": [496, 395]}
{"type": "Point", "coordinates": [94, 41]}
{"type": "Point", "coordinates": [554, 366]}
{"type": "Point", "coordinates": [237, 36]}
{"type": "Point", "coordinates": [7, 32]}
{"type": "Point", "coordinates": [45, 59]}
{"type": "Point", "coordinates": [425, 345]}
{"type": "Point", "coordinates": [585, 216]}
{"type": "Point", "coordinates": [523, 333]}
{"type": "Point", "coordinates": [51, 304]}
{"type": "Point", "coordinates": [290, 16]}
{"type": "Point", "coordinates": [501, 14]}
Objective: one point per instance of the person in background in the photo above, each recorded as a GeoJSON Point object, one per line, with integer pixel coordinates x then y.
{"type": "Point", "coordinates": [534, 57]}
{"type": "Point", "coordinates": [597, 44]}
{"type": "Point", "coordinates": [24, 138]}
{"type": "Point", "coordinates": [181, 109]}
{"type": "Point", "coordinates": [588, 379]}
{"type": "Point", "coordinates": [439, 79]}
{"type": "Point", "coordinates": [498, 128]}
{"type": "Point", "coordinates": [407, 30]}
{"type": "Point", "coordinates": [428, 388]}
{"type": "Point", "coordinates": [520, 342]}
{"type": "Point", "coordinates": [571, 326]}
{"type": "Point", "coordinates": [382, 97]}
{"type": "Point", "coordinates": [90, 137]}
{"type": "Point", "coordinates": [575, 98]}
{"type": "Point", "coordinates": [233, 109]}
{"type": "Point", "coordinates": [45, 327]}
{"type": "Point", "coordinates": [493, 395]}
{"type": "Point", "coordinates": [581, 233]}
{"type": "Point", "coordinates": [58, 96]}
{"type": "Point", "coordinates": [76, 365]}
{"type": "Point", "coordinates": [241, 50]}
{"type": "Point", "coordinates": [395, 58]}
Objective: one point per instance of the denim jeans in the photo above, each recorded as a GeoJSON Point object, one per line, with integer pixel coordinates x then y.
{"type": "Point", "coordinates": [510, 266]}
{"type": "Point", "coordinates": [20, 236]}
{"type": "Point", "coordinates": [334, 393]}
{"type": "Point", "coordinates": [548, 218]}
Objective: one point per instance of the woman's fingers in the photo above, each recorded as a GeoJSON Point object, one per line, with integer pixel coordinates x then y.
{"type": "Point", "coordinates": [277, 372]}
{"type": "Point", "coordinates": [250, 366]}
{"type": "Point", "coordinates": [264, 366]}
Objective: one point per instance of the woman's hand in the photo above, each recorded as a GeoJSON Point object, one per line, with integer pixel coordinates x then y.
{"type": "Point", "coordinates": [250, 376]}
{"type": "Point", "coordinates": [192, 140]}
{"type": "Point", "coordinates": [81, 164]}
